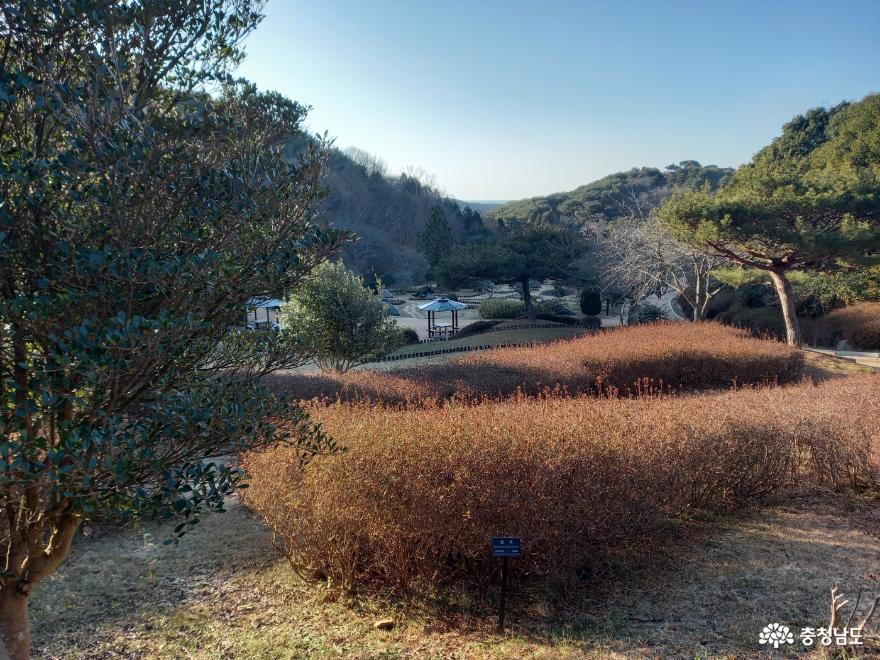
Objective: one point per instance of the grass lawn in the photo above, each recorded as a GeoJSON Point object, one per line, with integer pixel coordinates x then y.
{"type": "Point", "coordinates": [497, 338]}
{"type": "Point", "coordinates": [225, 593]}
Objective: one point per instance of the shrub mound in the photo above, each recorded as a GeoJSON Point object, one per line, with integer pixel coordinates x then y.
{"type": "Point", "coordinates": [419, 492]}
{"type": "Point", "coordinates": [476, 328]}
{"type": "Point", "coordinates": [501, 308]}
{"type": "Point", "coordinates": [630, 359]}
{"type": "Point", "coordinates": [858, 325]}
{"type": "Point", "coordinates": [507, 308]}
{"type": "Point", "coordinates": [409, 336]}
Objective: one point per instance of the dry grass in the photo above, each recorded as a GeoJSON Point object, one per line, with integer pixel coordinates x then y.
{"type": "Point", "coordinates": [125, 595]}
{"type": "Point", "coordinates": [820, 366]}
{"type": "Point", "coordinates": [630, 359]}
{"type": "Point", "coordinates": [858, 325]}
{"type": "Point", "coordinates": [589, 479]}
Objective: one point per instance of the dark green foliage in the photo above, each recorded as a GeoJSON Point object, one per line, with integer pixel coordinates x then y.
{"type": "Point", "coordinates": [645, 313]}
{"type": "Point", "coordinates": [472, 223]}
{"type": "Point", "coordinates": [591, 302]}
{"type": "Point", "coordinates": [518, 256]}
{"type": "Point", "coordinates": [139, 214]}
{"type": "Point", "coordinates": [553, 306]}
{"type": "Point", "coordinates": [501, 308]}
{"type": "Point", "coordinates": [809, 201]}
{"type": "Point", "coordinates": [476, 328]}
{"type": "Point", "coordinates": [556, 318]}
{"type": "Point", "coordinates": [609, 197]}
{"type": "Point", "coordinates": [409, 336]}
{"type": "Point", "coordinates": [436, 239]}
{"type": "Point", "coordinates": [506, 308]}
{"type": "Point", "coordinates": [753, 295]}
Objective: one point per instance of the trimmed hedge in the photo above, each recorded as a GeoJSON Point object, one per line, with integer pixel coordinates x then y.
{"type": "Point", "coordinates": [505, 308]}
{"type": "Point", "coordinates": [476, 328]}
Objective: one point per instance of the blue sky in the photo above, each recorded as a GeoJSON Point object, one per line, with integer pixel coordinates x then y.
{"type": "Point", "coordinates": [508, 99]}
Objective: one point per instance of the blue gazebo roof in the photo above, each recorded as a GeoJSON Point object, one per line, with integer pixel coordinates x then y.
{"type": "Point", "coordinates": [263, 302]}
{"type": "Point", "coordinates": [443, 305]}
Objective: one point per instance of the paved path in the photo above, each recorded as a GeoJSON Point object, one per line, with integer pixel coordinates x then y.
{"type": "Point", "coordinates": [869, 359]}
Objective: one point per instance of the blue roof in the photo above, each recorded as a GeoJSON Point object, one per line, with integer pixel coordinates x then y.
{"type": "Point", "coordinates": [263, 302]}
{"type": "Point", "coordinates": [442, 305]}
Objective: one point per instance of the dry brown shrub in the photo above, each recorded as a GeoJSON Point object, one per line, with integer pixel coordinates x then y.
{"type": "Point", "coordinates": [420, 491]}
{"type": "Point", "coordinates": [858, 325]}
{"type": "Point", "coordinates": [631, 359]}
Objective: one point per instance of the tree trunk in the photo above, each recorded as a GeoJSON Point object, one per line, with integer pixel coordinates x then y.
{"type": "Point", "coordinates": [527, 297]}
{"type": "Point", "coordinates": [702, 298]}
{"type": "Point", "coordinates": [786, 303]}
{"type": "Point", "coordinates": [701, 310]}
{"type": "Point", "coordinates": [15, 631]}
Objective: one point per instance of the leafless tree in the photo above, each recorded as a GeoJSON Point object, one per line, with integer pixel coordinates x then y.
{"type": "Point", "coordinates": [640, 257]}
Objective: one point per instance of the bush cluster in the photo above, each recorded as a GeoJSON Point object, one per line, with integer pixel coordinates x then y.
{"type": "Point", "coordinates": [476, 328]}
{"type": "Point", "coordinates": [590, 302]}
{"type": "Point", "coordinates": [858, 326]}
{"type": "Point", "coordinates": [557, 318]}
{"type": "Point", "coordinates": [419, 491]}
{"type": "Point", "coordinates": [665, 355]}
{"type": "Point", "coordinates": [759, 321]}
{"type": "Point", "coordinates": [501, 308]}
{"type": "Point", "coordinates": [506, 308]}
{"type": "Point", "coordinates": [645, 313]}
{"type": "Point", "coordinates": [409, 336]}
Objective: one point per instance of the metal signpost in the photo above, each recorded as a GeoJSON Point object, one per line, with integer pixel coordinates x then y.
{"type": "Point", "coordinates": [504, 547]}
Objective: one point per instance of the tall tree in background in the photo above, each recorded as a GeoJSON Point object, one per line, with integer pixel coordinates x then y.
{"type": "Point", "coordinates": [139, 213]}
{"type": "Point", "coordinates": [527, 252]}
{"type": "Point", "coordinates": [808, 201]}
{"type": "Point", "coordinates": [436, 239]}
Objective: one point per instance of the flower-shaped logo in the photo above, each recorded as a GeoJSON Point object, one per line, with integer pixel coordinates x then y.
{"type": "Point", "coordinates": [775, 634]}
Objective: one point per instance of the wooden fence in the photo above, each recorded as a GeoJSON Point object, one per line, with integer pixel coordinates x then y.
{"type": "Point", "coordinates": [481, 347]}
{"type": "Point", "coordinates": [454, 349]}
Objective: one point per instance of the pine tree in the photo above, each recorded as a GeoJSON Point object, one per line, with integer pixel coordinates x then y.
{"type": "Point", "coordinates": [808, 201]}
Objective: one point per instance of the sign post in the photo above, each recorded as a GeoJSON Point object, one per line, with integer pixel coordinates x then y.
{"type": "Point", "coordinates": [504, 547]}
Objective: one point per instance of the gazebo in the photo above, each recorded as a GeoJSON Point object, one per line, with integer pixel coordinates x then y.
{"type": "Point", "coordinates": [442, 330]}
{"type": "Point", "coordinates": [262, 306]}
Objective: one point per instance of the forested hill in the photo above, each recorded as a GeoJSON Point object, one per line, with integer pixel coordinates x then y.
{"type": "Point", "coordinates": [388, 213]}
{"type": "Point", "coordinates": [612, 196]}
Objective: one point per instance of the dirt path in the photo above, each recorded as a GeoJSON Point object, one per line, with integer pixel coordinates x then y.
{"type": "Point", "coordinates": [223, 592]}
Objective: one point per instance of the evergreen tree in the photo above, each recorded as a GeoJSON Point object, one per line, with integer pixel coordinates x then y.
{"type": "Point", "coordinates": [139, 215]}
{"type": "Point", "coordinates": [436, 239]}
{"type": "Point", "coordinates": [808, 201]}
{"type": "Point", "coordinates": [591, 302]}
{"type": "Point", "coordinates": [525, 253]}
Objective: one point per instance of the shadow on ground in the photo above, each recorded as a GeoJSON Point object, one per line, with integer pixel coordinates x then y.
{"type": "Point", "coordinates": [224, 592]}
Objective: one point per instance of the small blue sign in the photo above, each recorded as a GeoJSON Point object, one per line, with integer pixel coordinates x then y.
{"type": "Point", "coordinates": [506, 546]}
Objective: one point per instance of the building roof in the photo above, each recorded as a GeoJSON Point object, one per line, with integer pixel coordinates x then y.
{"type": "Point", "coordinates": [442, 305]}
{"type": "Point", "coordinates": [262, 302]}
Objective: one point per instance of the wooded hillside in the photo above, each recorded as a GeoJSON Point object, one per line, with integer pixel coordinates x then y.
{"type": "Point", "coordinates": [611, 196]}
